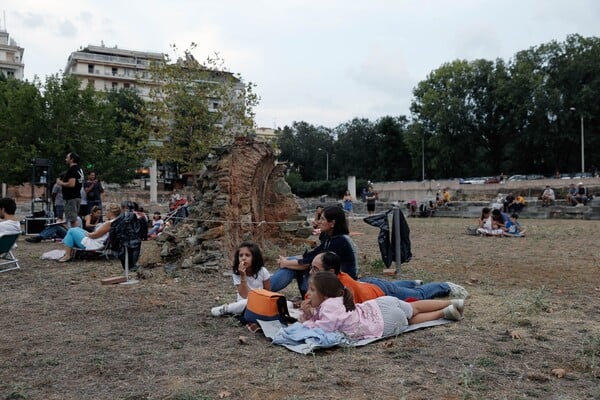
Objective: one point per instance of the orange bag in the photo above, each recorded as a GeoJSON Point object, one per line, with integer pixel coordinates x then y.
{"type": "Point", "coordinates": [265, 305]}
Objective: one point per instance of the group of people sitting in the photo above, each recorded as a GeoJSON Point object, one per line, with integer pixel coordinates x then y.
{"type": "Point", "coordinates": [494, 222]}
{"type": "Point", "coordinates": [576, 195]}
{"type": "Point", "coordinates": [92, 231]}
{"type": "Point", "coordinates": [330, 271]}
{"type": "Point", "coordinates": [512, 204]}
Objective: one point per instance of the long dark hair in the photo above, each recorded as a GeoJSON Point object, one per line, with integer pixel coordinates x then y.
{"type": "Point", "coordinates": [257, 259]}
{"type": "Point", "coordinates": [337, 214]}
{"type": "Point", "coordinates": [328, 285]}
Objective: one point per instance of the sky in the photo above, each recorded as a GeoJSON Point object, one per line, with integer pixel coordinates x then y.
{"type": "Point", "coordinates": [323, 62]}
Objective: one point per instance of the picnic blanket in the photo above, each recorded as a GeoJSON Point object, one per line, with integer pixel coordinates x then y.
{"type": "Point", "coordinates": [303, 340]}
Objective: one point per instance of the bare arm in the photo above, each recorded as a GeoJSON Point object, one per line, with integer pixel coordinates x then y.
{"type": "Point", "coordinates": [291, 264]}
{"type": "Point", "coordinates": [103, 229]}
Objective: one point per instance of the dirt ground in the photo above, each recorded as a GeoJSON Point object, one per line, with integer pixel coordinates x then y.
{"type": "Point", "coordinates": [533, 315]}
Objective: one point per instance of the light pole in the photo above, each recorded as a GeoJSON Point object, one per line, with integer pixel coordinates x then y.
{"type": "Point", "coordinates": [582, 143]}
{"type": "Point", "coordinates": [326, 163]}
{"type": "Point", "coordinates": [423, 157]}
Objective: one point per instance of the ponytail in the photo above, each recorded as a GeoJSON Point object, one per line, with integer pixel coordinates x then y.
{"type": "Point", "coordinates": [348, 299]}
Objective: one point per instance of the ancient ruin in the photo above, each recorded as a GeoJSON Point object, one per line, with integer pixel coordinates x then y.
{"type": "Point", "coordinates": [242, 195]}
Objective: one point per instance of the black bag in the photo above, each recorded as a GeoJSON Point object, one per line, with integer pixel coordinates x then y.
{"type": "Point", "coordinates": [124, 238]}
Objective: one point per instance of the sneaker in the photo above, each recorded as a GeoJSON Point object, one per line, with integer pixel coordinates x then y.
{"type": "Point", "coordinates": [219, 311]}
{"type": "Point", "coordinates": [34, 239]}
{"type": "Point", "coordinates": [451, 313]}
{"type": "Point", "coordinates": [418, 282]}
{"type": "Point", "coordinates": [457, 291]}
{"type": "Point", "coordinates": [459, 304]}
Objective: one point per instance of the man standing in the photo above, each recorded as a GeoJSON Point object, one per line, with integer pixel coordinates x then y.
{"type": "Point", "coordinates": [93, 189]}
{"type": "Point", "coordinates": [71, 186]}
{"type": "Point", "coordinates": [9, 224]}
{"type": "Point", "coordinates": [57, 200]}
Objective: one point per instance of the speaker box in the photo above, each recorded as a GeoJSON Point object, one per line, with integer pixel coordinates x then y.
{"type": "Point", "coordinates": [33, 226]}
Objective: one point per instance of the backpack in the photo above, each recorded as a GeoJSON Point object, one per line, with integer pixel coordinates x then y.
{"type": "Point", "coordinates": [124, 238]}
{"type": "Point", "coordinates": [125, 231]}
{"type": "Point", "coordinates": [265, 305]}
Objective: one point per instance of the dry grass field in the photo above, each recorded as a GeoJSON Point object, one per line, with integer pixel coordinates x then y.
{"type": "Point", "coordinates": [531, 328]}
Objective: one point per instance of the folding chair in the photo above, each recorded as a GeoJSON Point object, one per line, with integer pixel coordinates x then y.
{"type": "Point", "coordinates": [7, 242]}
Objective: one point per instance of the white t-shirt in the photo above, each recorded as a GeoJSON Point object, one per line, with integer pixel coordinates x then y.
{"type": "Point", "coordinates": [9, 227]}
{"type": "Point", "coordinates": [251, 281]}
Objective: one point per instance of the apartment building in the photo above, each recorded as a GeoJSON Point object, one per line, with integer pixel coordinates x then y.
{"type": "Point", "coordinates": [11, 57]}
{"type": "Point", "coordinates": [108, 68]}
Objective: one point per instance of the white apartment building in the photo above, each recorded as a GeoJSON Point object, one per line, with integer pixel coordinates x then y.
{"type": "Point", "coordinates": [11, 57]}
{"type": "Point", "coordinates": [106, 68]}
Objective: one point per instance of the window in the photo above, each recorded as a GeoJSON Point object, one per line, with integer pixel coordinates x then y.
{"type": "Point", "coordinates": [126, 85]}
{"type": "Point", "coordinates": [91, 83]}
{"type": "Point", "coordinates": [115, 85]}
{"type": "Point", "coordinates": [10, 74]}
{"type": "Point", "coordinates": [90, 68]}
{"type": "Point", "coordinates": [114, 71]}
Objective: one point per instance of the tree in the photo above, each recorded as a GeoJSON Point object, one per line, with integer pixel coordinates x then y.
{"type": "Point", "coordinates": [195, 106]}
{"type": "Point", "coordinates": [21, 128]}
{"type": "Point", "coordinates": [306, 148]}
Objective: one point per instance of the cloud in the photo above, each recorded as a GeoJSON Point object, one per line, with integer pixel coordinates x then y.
{"type": "Point", "coordinates": [31, 20]}
{"type": "Point", "coordinates": [477, 41]}
{"type": "Point", "coordinates": [67, 29]}
{"type": "Point", "coordinates": [383, 70]}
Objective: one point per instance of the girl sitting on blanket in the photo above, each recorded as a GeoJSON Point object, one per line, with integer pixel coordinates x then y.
{"type": "Point", "coordinates": [248, 273]}
{"type": "Point", "coordinates": [385, 316]}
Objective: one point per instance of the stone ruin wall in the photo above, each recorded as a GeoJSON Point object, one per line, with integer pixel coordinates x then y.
{"type": "Point", "coordinates": [242, 195]}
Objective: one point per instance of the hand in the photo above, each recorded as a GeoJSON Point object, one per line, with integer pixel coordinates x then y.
{"type": "Point", "coordinates": [307, 309]}
{"type": "Point", "coordinates": [281, 261]}
{"type": "Point", "coordinates": [242, 269]}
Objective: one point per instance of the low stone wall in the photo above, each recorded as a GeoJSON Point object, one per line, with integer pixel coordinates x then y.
{"type": "Point", "coordinates": [426, 190]}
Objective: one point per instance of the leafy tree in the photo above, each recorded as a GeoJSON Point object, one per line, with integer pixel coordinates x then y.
{"type": "Point", "coordinates": [306, 148]}
{"type": "Point", "coordinates": [195, 106]}
{"type": "Point", "coordinates": [21, 128]}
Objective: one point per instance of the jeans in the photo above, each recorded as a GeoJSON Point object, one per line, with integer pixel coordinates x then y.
{"type": "Point", "coordinates": [405, 289]}
{"type": "Point", "coordinates": [53, 232]}
{"type": "Point", "coordinates": [284, 276]}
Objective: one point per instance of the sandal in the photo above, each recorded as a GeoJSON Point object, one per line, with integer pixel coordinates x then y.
{"type": "Point", "coordinates": [64, 259]}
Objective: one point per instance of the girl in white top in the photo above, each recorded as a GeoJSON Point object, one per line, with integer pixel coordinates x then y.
{"type": "Point", "coordinates": [248, 273]}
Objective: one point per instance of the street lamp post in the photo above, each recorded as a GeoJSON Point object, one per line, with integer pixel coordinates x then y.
{"type": "Point", "coordinates": [582, 143]}
{"type": "Point", "coordinates": [326, 163]}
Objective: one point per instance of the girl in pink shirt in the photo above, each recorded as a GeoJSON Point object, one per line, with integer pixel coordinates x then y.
{"type": "Point", "coordinates": [385, 316]}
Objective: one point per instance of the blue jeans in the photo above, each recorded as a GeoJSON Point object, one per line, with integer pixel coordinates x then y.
{"type": "Point", "coordinates": [53, 232]}
{"type": "Point", "coordinates": [284, 276]}
{"type": "Point", "coordinates": [405, 289]}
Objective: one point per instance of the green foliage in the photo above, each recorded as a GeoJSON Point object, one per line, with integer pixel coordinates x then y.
{"type": "Point", "coordinates": [195, 106]}
{"type": "Point", "coordinates": [51, 119]}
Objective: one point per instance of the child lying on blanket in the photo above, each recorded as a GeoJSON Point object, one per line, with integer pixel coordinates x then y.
{"type": "Point", "coordinates": [248, 273]}
{"type": "Point", "coordinates": [385, 316]}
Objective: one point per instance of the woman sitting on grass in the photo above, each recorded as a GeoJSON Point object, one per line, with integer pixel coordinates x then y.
{"type": "Point", "coordinates": [79, 238]}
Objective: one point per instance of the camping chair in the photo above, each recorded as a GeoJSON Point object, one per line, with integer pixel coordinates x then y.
{"type": "Point", "coordinates": [7, 242]}
{"type": "Point", "coordinates": [104, 252]}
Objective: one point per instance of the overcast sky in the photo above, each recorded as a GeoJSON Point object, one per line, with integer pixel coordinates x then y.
{"type": "Point", "coordinates": [323, 62]}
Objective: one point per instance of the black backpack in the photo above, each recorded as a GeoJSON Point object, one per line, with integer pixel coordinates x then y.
{"type": "Point", "coordinates": [125, 231]}
{"type": "Point", "coordinates": [124, 237]}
